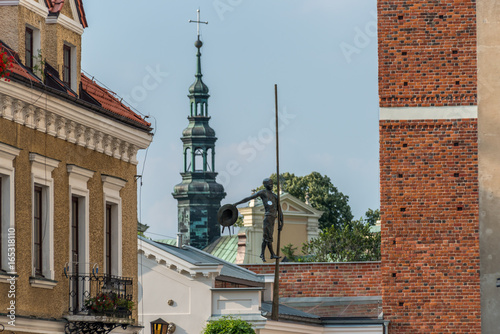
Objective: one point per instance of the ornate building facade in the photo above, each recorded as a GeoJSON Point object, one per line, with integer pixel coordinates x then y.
{"type": "Point", "coordinates": [67, 174]}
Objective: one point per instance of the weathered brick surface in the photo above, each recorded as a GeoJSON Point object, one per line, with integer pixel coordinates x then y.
{"type": "Point", "coordinates": [325, 279]}
{"type": "Point", "coordinates": [228, 285]}
{"type": "Point", "coordinates": [427, 53]}
{"type": "Point", "coordinates": [430, 226]}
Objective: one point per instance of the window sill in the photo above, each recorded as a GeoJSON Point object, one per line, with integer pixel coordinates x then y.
{"type": "Point", "coordinates": [44, 283]}
{"type": "Point", "coordinates": [7, 278]}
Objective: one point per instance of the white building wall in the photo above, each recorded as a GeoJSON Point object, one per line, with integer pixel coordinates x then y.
{"type": "Point", "coordinates": [191, 298]}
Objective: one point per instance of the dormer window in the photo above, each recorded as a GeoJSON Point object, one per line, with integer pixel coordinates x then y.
{"type": "Point", "coordinates": [67, 65]}
{"type": "Point", "coordinates": [28, 54]}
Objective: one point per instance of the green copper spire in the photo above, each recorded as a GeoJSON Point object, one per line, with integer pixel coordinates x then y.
{"type": "Point", "coordinates": [198, 91]}
{"type": "Point", "coordinates": [198, 88]}
{"type": "Point", "coordinates": [198, 195]}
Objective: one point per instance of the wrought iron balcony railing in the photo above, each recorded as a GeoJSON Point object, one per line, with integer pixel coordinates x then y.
{"type": "Point", "coordinates": [100, 295]}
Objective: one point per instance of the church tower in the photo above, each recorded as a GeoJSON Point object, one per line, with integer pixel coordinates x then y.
{"type": "Point", "coordinates": [198, 194]}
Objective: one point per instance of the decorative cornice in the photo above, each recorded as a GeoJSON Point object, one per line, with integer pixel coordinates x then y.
{"type": "Point", "coordinates": [209, 270]}
{"type": "Point", "coordinates": [43, 161]}
{"type": "Point", "coordinates": [80, 171]}
{"type": "Point", "coordinates": [36, 7]}
{"type": "Point", "coordinates": [429, 124]}
{"type": "Point", "coordinates": [72, 123]}
{"type": "Point", "coordinates": [113, 182]}
{"type": "Point", "coordinates": [9, 2]}
{"type": "Point", "coordinates": [33, 6]}
{"type": "Point", "coordinates": [8, 151]}
{"type": "Point", "coordinates": [427, 101]}
{"type": "Point", "coordinates": [66, 22]}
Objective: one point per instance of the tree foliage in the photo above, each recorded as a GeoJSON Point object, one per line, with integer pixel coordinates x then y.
{"type": "Point", "coordinates": [228, 325]}
{"type": "Point", "coordinates": [322, 194]}
{"type": "Point", "coordinates": [352, 242]}
{"type": "Point", "coordinates": [342, 238]}
{"type": "Point", "coordinates": [372, 216]}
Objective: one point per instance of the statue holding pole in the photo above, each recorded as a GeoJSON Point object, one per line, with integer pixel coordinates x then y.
{"type": "Point", "coordinates": [272, 211]}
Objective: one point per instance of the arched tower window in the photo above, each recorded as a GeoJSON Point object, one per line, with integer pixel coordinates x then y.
{"type": "Point", "coordinates": [209, 160]}
{"type": "Point", "coordinates": [187, 159]}
{"type": "Point", "coordinates": [198, 160]}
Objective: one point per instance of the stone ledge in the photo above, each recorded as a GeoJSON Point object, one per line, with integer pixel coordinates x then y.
{"type": "Point", "coordinates": [44, 283]}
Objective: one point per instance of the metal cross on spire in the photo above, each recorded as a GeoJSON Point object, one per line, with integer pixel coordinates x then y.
{"type": "Point", "coordinates": [198, 22]}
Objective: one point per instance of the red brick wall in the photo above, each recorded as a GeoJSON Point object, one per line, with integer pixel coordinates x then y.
{"type": "Point", "coordinates": [430, 226]}
{"type": "Point", "coordinates": [427, 52]}
{"type": "Point", "coordinates": [325, 279]}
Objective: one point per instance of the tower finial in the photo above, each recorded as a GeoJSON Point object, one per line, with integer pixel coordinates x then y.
{"type": "Point", "coordinates": [198, 89]}
{"type": "Point", "coordinates": [198, 24]}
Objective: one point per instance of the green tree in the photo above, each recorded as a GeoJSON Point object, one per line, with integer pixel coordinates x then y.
{"type": "Point", "coordinates": [289, 252]}
{"type": "Point", "coordinates": [372, 216]}
{"type": "Point", "coordinates": [228, 325]}
{"type": "Point", "coordinates": [322, 194]}
{"type": "Point", "coordinates": [352, 242]}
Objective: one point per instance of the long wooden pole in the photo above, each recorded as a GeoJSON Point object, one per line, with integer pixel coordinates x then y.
{"type": "Point", "coordinates": [276, 290]}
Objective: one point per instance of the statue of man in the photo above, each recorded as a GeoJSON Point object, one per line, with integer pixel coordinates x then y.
{"type": "Point", "coordinates": [272, 211]}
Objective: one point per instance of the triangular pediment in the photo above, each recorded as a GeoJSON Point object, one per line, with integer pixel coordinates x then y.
{"type": "Point", "coordinates": [70, 14]}
{"type": "Point", "coordinates": [291, 205]}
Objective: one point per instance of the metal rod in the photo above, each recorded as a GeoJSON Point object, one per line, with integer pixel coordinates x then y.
{"type": "Point", "coordinates": [275, 309]}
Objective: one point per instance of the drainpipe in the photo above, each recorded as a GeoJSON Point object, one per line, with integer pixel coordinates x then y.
{"type": "Point", "coordinates": [386, 327]}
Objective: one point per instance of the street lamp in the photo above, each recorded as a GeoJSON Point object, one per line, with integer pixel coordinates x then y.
{"type": "Point", "coordinates": [160, 326]}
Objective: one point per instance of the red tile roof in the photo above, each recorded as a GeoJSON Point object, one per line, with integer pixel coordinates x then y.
{"type": "Point", "coordinates": [81, 13]}
{"type": "Point", "coordinates": [108, 100]}
{"type": "Point", "coordinates": [100, 96]}
{"type": "Point", "coordinates": [17, 67]}
{"type": "Point", "coordinates": [55, 7]}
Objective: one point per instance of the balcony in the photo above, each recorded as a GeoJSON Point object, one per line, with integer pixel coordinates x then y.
{"type": "Point", "coordinates": [99, 303]}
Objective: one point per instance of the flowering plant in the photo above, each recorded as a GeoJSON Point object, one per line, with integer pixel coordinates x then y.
{"type": "Point", "coordinates": [5, 65]}
{"type": "Point", "coordinates": [107, 303]}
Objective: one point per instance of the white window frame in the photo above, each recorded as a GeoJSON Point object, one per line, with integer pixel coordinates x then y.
{"type": "Point", "coordinates": [78, 179]}
{"type": "Point", "coordinates": [111, 191]}
{"type": "Point", "coordinates": [78, 187]}
{"type": "Point", "coordinates": [41, 175]}
{"type": "Point", "coordinates": [36, 46]}
{"type": "Point", "coordinates": [7, 155]}
{"type": "Point", "coordinates": [73, 64]}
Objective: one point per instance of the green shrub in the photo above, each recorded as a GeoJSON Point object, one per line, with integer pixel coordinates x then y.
{"type": "Point", "coordinates": [228, 325]}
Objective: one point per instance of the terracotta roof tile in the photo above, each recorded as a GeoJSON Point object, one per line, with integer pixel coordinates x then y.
{"type": "Point", "coordinates": [81, 13]}
{"type": "Point", "coordinates": [98, 95]}
{"type": "Point", "coordinates": [108, 100]}
{"type": "Point", "coordinates": [55, 7]}
{"type": "Point", "coordinates": [17, 67]}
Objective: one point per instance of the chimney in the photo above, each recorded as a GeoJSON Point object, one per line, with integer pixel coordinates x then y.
{"type": "Point", "coordinates": [242, 243]}
{"type": "Point", "coordinates": [179, 240]}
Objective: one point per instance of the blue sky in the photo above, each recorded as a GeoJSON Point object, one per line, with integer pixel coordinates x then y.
{"type": "Point", "coordinates": [321, 53]}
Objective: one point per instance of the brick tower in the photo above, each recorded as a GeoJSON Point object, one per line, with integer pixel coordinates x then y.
{"type": "Point", "coordinates": [429, 165]}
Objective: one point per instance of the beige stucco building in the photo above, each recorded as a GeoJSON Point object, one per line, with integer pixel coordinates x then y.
{"type": "Point", "coordinates": [68, 179]}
